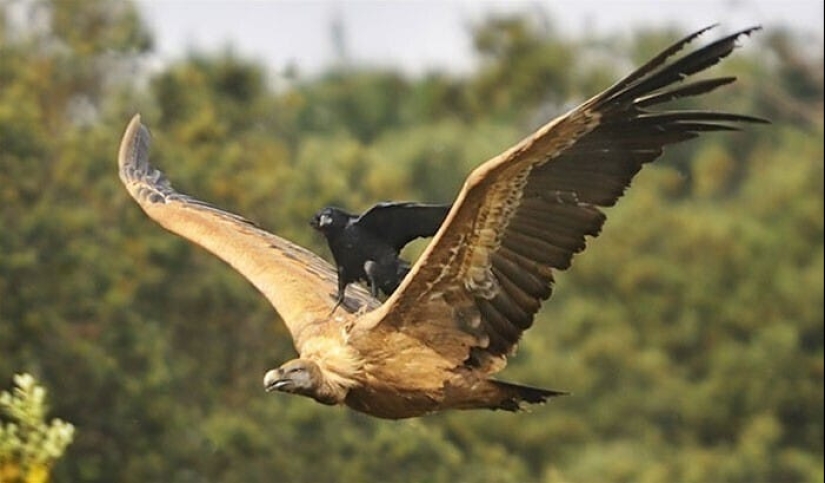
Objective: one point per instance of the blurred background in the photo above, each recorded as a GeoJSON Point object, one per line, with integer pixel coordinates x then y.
{"type": "Point", "coordinates": [690, 334]}
{"type": "Point", "coordinates": [415, 36]}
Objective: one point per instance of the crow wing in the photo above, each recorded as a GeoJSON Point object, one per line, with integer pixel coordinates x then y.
{"type": "Point", "coordinates": [300, 285]}
{"type": "Point", "coordinates": [402, 222]}
{"type": "Point", "coordinates": [526, 212]}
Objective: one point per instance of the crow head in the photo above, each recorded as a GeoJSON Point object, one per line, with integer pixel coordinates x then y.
{"type": "Point", "coordinates": [330, 220]}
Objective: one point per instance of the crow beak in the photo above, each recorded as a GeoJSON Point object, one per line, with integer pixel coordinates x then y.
{"type": "Point", "coordinates": [321, 221]}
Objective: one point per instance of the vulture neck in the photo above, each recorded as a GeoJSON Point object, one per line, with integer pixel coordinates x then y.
{"type": "Point", "coordinates": [338, 365]}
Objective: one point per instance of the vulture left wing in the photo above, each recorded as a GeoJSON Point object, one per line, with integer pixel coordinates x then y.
{"type": "Point", "coordinates": [526, 212]}
{"type": "Point", "coordinates": [300, 285]}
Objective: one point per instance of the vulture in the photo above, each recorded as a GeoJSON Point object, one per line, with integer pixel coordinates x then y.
{"type": "Point", "coordinates": [437, 341]}
{"type": "Point", "coordinates": [367, 247]}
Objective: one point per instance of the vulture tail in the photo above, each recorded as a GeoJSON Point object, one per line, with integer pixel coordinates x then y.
{"type": "Point", "coordinates": [512, 397]}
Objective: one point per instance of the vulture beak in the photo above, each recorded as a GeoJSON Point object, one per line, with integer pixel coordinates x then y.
{"type": "Point", "coordinates": [273, 381]}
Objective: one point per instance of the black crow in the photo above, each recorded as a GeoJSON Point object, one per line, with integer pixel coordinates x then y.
{"type": "Point", "coordinates": [366, 247]}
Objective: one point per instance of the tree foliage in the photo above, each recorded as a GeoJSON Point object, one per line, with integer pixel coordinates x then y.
{"type": "Point", "coordinates": [690, 334]}
{"type": "Point", "coordinates": [28, 445]}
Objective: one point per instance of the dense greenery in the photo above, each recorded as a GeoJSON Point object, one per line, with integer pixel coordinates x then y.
{"type": "Point", "coordinates": [690, 333]}
{"type": "Point", "coordinates": [29, 445]}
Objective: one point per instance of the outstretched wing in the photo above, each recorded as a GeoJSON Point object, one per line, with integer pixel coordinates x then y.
{"type": "Point", "coordinates": [526, 212]}
{"type": "Point", "coordinates": [402, 222]}
{"type": "Point", "coordinates": [300, 285]}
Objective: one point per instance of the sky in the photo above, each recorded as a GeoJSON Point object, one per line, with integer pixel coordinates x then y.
{"type": "Point", "coordinates": [417, 36]}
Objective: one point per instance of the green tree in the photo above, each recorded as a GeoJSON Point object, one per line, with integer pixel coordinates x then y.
{"type": "Point", "coordinates": [28, 445]}
{"type": "Point", "coordinates": [524, 63]}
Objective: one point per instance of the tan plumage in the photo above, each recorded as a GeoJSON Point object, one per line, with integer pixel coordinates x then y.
{"type": "Point", "coordinates": [434, 344]}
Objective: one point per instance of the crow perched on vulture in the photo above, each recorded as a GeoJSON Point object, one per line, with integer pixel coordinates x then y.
{"type": "Point", "coordinates": [436, 342]}
{"type": "Point", "coordinates": [366, 247]}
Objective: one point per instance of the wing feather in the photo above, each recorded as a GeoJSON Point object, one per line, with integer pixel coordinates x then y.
{"type": "Point", "coordinates": [300, 285]}
{"type": "Point", "coordinates": [528, 211]}
{"type": "Point", "coordinates": [400, 223]}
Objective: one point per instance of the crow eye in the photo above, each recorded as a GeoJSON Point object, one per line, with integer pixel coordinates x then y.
{"type": "Point", "coordinates": [325, 220]}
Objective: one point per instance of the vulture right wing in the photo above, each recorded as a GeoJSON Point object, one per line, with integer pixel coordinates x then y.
{"type": "Point", "coordinates": [525, 213]}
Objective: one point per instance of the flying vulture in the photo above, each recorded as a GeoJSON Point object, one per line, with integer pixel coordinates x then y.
{"type": "Point", "coordinates": [367, 247]}
{"type": "Point", "coordinates": [438, 340]}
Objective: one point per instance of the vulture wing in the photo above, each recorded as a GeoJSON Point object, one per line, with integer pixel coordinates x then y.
{"type": "Point", "coordinates": [401, 223]}
{"type": "Point", "coordinates": [300, 285]}
{"type": "Point", "coordinates": [526, 212]}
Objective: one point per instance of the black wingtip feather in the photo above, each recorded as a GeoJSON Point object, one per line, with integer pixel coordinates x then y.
{"type": "Point", "coordinates": [518, 395]}
{"type": "Point", "coordinates": [657, 73]}
{"type": "Point", "coordinates": [655, 62]}
{"type": "Point", "coordinates": [689, 90]}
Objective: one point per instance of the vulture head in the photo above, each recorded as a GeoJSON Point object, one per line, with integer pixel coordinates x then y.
{"type": "Point", "coordinates": [299, 376]}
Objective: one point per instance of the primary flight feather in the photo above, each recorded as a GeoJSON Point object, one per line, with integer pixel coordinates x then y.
{"type": "Point", "coordinates": [437, 340]}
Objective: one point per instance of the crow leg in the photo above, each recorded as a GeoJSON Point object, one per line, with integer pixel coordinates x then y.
{"type": "Point", "coordinates": [342, 290]}
{"type": "Point", "coordinates": [371, 269]}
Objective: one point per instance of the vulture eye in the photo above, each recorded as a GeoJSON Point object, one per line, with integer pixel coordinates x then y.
{"type": "Point", "coordinates": [294, 371]}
